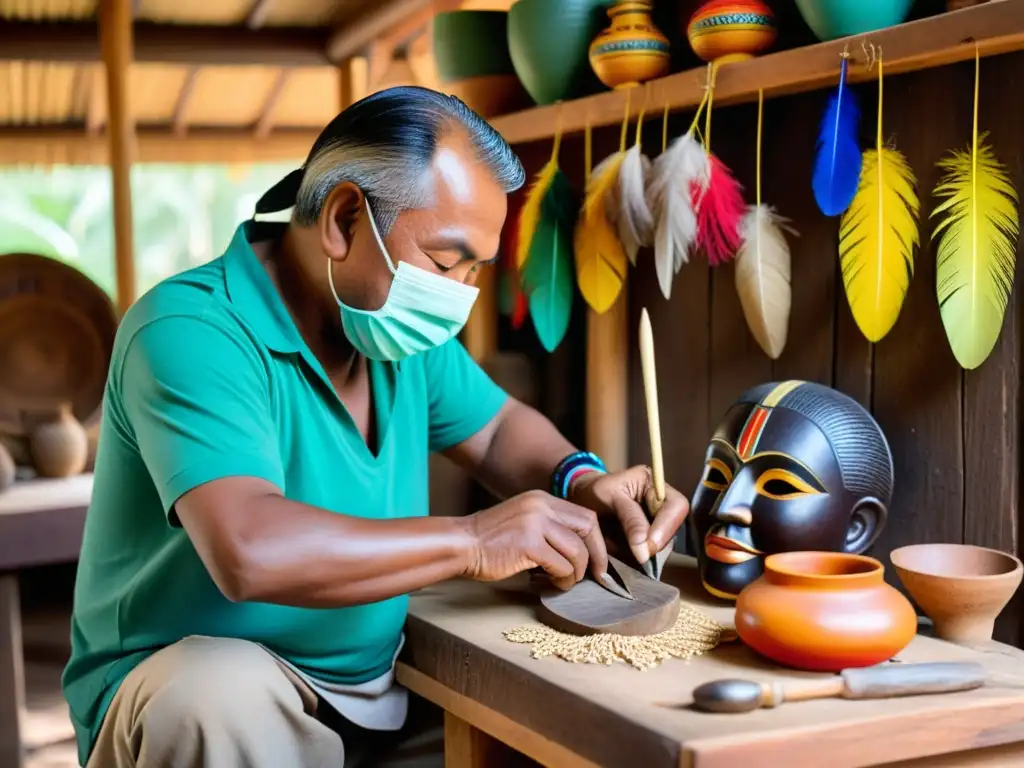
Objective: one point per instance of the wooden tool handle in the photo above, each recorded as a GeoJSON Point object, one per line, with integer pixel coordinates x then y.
{"type": "Point", "coordinates": [651, 396]}
{"type": "Point", "coordinates": [890, 680]}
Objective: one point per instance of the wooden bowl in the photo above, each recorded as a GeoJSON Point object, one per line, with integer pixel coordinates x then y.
{"type": "Point", "coordinates": [962, 588]}
{"type": "Point", "coordinates": [832, 19]}
{"type": "Point", "coordinates": [473, 63]}
{"type": "Point", "coordinates": [57, 331]}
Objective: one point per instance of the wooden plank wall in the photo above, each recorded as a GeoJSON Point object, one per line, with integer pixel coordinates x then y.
{"type": "Point", "coordinates": [954, 434]}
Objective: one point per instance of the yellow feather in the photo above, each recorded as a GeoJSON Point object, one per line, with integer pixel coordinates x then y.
{"type": "Point", "coordinates": [529, 215]}
{"type": "Point", "coordinates": [976, 256]}
{"type": "Point", "coordinates": [877, 237]}
{"type": "Point", "coordinates": [600, 258]}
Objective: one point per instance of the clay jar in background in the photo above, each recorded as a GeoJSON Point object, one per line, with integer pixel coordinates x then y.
{"type": "Point", "coordinates": [631, 50]}
{"type": "Point", "coordinates": [824, 611]}
{"type": "Point", "coordinates": [961, 588]}
{"type": "Point", "coordinates": [58, 443]}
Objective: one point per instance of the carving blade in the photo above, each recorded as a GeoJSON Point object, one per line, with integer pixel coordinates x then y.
{"type": "Point", "coordinates": [615, 584]}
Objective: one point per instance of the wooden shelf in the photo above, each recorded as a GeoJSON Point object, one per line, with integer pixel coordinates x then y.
{"type": "Point", "coordinates": [996, 26]}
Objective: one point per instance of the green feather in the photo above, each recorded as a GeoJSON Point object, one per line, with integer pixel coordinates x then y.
{"type": "Point", "coordinates": [548, 272]}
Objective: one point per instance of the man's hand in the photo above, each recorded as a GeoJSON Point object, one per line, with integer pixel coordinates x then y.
{"type": "Point", "coordinates": [536, 529]}
{"type": "Point", "coordinates": [621, 494]}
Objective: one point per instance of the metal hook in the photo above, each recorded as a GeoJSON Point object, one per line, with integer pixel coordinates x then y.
{"type": "Point", "coordinates": [709, 77]}
{"type": "Point", "coordinates": [845, 53]}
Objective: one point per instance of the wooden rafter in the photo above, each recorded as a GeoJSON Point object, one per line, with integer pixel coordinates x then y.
{"type": "Point", "coordinates": [95, 110]}
{"type": "Point", "coordinates": [381, 55]}
{"type": "Point", "coordinates": [179, 122]}
{"type": "Point", "coordinates": [353, 37]}
{"type": "Point", "coordinates": [61, 145]}
{"type": "Point", "coordinates": [265, 123]}
{"type": "Point", "coordinates": [166, 43]}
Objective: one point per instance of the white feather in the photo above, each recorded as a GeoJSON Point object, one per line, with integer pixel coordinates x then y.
{"type": "Point", "coordinates": [635, 220]}
{"type": "Point", "coordinates": [763, 277]}
{"type": "Point", "coordinates": [682, 165]}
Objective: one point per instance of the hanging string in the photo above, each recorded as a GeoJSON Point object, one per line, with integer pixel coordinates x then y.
{"type": "Point", "coordinates": [625, 123]}
{"type": "Point", "coordinates": [711, 100]}
{"type": "Point", "coordinates": [878, 137]}
{"type": "Point", "coordinates": [640, 122]}
{"type": "Point", "coordinates": [664, 128]}
{"type": "Point", "coordinates": [974, 144]}
{"type": "Point", "coordinates": [557, 143]}
{"type": "Point", "coordinates": [587, 154]}
{"type": "Point", "coordinates": [700, 110]}
{"type": "Point", "coordinates": [760, 120]}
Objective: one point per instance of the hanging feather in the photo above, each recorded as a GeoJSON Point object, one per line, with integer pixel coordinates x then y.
{"type": "Point", "coordinates": [635, 220]}
{"type": "Point", "coordinates": [877, 237]}
{"type": "Point", "coordinates": [547, 273]}
{"type": "Point", "coordinates": [529, 216]}
{"type": "Point", "coordinates": [763, 266]}
{"type": "Point", "coordinates": [837, 163]}
{"type": "Point", "coordinates": [763, 278]}
{"type": "Point", "coordinates": [678, 176]}
{"type": "Point", "coordinates": [720, 206]}
{"type": "Point", "coordinates": [601, 260]}
{"type": "Point", "coordinates": [976, 257]}
{"type": "Point", "coordinates": [719, 211]}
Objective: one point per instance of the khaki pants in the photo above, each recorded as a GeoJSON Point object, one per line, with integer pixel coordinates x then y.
{"type": "Point", "coordinates": [221, 703]}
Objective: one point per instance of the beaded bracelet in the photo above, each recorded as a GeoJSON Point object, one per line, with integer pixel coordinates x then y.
{"type": "Point", "coordinates": [571, 467]}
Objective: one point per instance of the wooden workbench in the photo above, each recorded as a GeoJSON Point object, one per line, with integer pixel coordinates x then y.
{"type": "Point", "coordinates": [565, 715]}
{"type": "Point", "coordinates": [41, 523]}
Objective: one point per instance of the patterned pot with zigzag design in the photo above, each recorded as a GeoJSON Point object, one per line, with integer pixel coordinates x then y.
{"type": "Point", "coordinates": [724, 31]}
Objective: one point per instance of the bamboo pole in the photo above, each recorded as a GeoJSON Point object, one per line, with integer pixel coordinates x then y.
{"type": "Point", "coordinates": [116, 44]}
{"type": "Point", "coordinates": [607, 384]}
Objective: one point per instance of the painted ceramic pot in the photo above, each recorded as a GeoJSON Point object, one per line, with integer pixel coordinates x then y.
{"type": "Point", "coordinates": [631, 50]}
{"type": "Point", "coordinates": [473, 63]}
{"type": "Point", "coordinates": [549, 42]}
{"type": "Point", "coordinates": [830, 19]}
{"type": "Point", "coordinates": [723, 31]}
{"type": "Point", "coordinates": [824, 611]}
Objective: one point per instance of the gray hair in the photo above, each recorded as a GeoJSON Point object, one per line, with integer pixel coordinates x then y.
{"type": "Point", "coordinates": [384, 145]}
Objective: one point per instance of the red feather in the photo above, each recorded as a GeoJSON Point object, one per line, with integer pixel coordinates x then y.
{"type": "Point", "coordinates": [719, 212]}
{"type": "Point", "coordinates": [510, 285]}
{"type": "Point", "coordinates": [522, 309]}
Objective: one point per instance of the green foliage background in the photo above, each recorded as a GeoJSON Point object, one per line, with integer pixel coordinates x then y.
{"type": "Point", "coordinates": [183, 215]}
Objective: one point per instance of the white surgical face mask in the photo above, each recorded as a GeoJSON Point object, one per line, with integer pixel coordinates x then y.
{"type": "Point", "coordinates": [423, 310]}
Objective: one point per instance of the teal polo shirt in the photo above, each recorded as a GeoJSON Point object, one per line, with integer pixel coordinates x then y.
{"type": "Point", "coordinates": [210, 378]}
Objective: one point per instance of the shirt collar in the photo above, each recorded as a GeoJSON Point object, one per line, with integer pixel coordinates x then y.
{"type": "Point", "coordinates": [252, 292]}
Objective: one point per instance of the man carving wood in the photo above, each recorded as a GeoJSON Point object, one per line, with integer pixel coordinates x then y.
{"type": "Point", "coordinates": [260, 504]}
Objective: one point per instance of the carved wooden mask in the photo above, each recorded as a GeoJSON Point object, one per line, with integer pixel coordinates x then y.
{"type": "Point", "coordinates": [793, 466]}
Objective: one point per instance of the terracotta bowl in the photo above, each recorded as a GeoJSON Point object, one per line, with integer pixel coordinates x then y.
{"type": "Point", "coordinates": [962, 588]}
{"type": "Point", "coordinates": [824, 611]}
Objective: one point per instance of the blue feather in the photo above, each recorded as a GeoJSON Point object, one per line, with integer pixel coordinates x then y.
{"type": "Point", "coordinates": [838, 160]}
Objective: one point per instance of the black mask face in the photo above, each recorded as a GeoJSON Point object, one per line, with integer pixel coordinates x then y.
{"type": "Point", "coordinates": [792, 467]}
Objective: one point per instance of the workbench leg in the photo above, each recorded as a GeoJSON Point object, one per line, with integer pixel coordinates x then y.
{"type": "Point", "coordinates": [469, 747]}
{"type": "Point", "coordinates": [12, 674]}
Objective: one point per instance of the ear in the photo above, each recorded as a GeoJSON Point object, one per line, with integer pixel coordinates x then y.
{"type": "Point", "coordinates": [866, 522]}
{"type": "Point", "coordinates": [338, 218]}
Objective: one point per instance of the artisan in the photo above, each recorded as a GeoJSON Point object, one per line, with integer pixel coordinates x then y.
{"type": "Point", "coordinates": [260, 506]}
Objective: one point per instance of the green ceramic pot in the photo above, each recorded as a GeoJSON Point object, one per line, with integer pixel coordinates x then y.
{"type": "Point", "coordinates": [473, 63]}
{"type": "Point", "coordinates": [549, 41]}
{"type": "Point", "coordinates": [830, 19]}
{"type": "Point", "coordinates": [471, 44]}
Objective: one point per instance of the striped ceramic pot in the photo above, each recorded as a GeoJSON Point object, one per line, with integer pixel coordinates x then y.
{"type": "Point", "coordinates": [631, 50]}
{"type": "Point", "coordinates": [724, 31]}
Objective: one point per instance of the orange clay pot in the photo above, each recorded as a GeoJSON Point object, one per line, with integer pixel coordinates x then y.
{"type": "Point", "coordinates": [824, 611]}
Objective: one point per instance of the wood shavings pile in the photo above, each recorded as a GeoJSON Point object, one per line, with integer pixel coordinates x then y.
{"type": "Point", "coordinates": [691, 635]}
